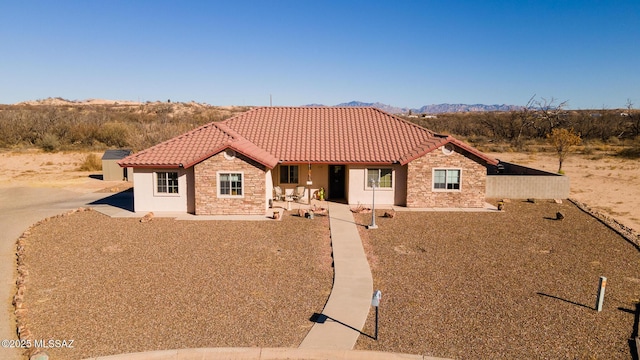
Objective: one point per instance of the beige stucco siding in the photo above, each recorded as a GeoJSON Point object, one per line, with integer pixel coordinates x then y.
{"type": "Point", "coordinates": [360, 193]}
{"type": "Point", "coordinates": [319, 179]}
{"type": "Point", "coordinates": [146, 197]}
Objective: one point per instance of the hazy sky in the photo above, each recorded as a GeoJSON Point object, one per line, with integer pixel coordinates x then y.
{"type": "Point", "coordinates": [403, 53]}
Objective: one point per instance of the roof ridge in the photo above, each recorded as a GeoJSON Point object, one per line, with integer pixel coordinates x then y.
{"type": "Point", "coordinates": [175, 139]}
{"type": "Point", "coordinates": [431, 132]}
{"type": "Point", "coordinates": [229, 131]}
{"type": "Point", "coordinates": [237, 144]}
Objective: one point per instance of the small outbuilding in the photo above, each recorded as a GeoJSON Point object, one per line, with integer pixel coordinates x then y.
{"type": "Point", "coordinates": [111, 171]}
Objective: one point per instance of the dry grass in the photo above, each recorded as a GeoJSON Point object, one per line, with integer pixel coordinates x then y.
{"type": "Point", "coordinates": [91, 163]}
{"type": "Point", "coordinates": [512, 285]}
{"type": "Point", "coordinates": [118, 285]}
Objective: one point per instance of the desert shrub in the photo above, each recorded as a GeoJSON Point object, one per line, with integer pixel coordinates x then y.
{"type": "Point", "coordinates": [83, 134]}
{"type": "Point", "coordinates": [499, 148]}
{"type": "Point", "coordinates": [49, 142]}
{"type": "Point", "coordinates": [631, 152]}
{"type": "Point", "coordinates": [91, 163]}
{"type": "Point", "coordinates": [478, 140]}
{"type": "Point", "coordinates": [613, 140]}
{"type": "Point", "coordinates": [113, 134]}
{"type": "Point", "coordinates": [587, 150]}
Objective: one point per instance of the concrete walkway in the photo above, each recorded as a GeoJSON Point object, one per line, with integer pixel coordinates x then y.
{"type": "Point", "coordinates": [346, 311]}
{"type": "Point", "coordinates": [262, 354]}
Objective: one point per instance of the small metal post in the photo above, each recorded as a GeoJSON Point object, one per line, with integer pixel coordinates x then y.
{"type": "Point", "coordinates": [601, 288]}
{"type": "Point", "coordinates": [375, 302]}
{"type": "Point", "coordinates": [373, 206]}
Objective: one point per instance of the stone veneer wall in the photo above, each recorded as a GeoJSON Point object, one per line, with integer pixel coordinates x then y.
{"type": "Point", "coordinates": [206, 186]}
{"type": "Point", "coordinates": [420, 184]}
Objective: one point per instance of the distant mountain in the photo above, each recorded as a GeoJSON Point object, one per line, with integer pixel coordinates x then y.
{"type": "Point", "coordinates": [429, 109]}
{"type": "Point", "coordinates": [450, 108]}
{"type": "Point", "coordinates": [381, 106]}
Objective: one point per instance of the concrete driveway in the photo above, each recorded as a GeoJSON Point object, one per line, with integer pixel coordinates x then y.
{"type": "Point", "coordinates": [21, 207]}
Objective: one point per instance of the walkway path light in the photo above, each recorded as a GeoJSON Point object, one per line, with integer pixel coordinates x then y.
{"type": "Point", "coordinates": [373, 225]}
{"type": "Point", "coordinates": [375, 302]}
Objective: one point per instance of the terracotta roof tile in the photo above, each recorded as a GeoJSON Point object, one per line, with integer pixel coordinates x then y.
{"type": "Point", "coordinates": [301, 135]}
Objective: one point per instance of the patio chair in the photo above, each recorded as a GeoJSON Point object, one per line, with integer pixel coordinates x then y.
{"type": "Point", "coordinates": [298, 194]}
{"type": "Point", "coordinates": [279, 194]}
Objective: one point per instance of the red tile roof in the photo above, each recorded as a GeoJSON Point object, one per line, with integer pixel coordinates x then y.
{"type": "Point", "coordinates": [302, 135]}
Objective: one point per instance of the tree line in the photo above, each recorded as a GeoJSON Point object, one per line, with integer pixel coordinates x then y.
{"type": "Point", "coordinates": [531, 124]}
{"type": "Point", "coordinates": [66, 127]}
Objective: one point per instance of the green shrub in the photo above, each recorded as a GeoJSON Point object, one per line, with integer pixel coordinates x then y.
{"type": "Point", "coordinates": [91, 163]}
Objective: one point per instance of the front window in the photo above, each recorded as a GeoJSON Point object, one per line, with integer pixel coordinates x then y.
{"type": "Point", "coordinates": [167, 182]}
{"type": "Point", "coordinates": [382, 177]}
{"type": "Point", "coordinates": [446, 179]}
{"type": "Point", "coordinates": [288, 174]}
{"type": "Point", "coordinates": [230, 184]}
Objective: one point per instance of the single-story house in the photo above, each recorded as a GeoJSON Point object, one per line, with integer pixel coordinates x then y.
{"type": "Point", "coordinates": [232, 166]}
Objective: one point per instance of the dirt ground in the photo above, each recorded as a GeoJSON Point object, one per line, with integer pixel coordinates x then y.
{"type": "Point", "coordinates": [605, 183]}
{"type": "Point", "coordinates": [551, 271]}
{"type": "Point", "coordinates": [510, 285]}
{"type": "Point", "coordinates": [119, 286]}
{"type": "Point", "coordinates": [34, 168]}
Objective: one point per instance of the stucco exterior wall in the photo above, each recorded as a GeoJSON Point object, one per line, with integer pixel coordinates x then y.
{"type": "Point", "coordinates": [207, 199]}
{"type": "Point", "coordinates": [420, 192]}
{"type": "Point", "coordinates": [146, 199]}
{"type": "Point", "coordinates": [359, 193]}
{"type": "Point", "coordinates": [319, 179]}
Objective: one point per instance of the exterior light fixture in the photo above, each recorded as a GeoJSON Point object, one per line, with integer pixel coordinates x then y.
{"type": "Point", "coordinates": [373, 225]}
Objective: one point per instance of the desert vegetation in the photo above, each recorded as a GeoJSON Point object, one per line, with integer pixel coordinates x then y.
{"type": "Point", "coordinates": [67, 125]}
{"type": "Point", "coordinates": [615, 131]}
{"type": "Point", "coordinates": [70, 126]}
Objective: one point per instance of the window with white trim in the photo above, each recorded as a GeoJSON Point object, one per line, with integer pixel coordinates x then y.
{"type": "Point", "coordinates": [167, 182]}
{"type": "Point", "coordinates": [383, 177]}
{"type": "Point", "coordinates": [230, 184]}
{"type": "Point", "coordinates": [288, 174]}
{"type": "Point", "coordinates": [446, 179]}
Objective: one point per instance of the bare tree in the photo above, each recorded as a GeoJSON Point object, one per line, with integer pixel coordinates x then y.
{"type": "Point", "coordinates": [549, 115]}
{"type": "Point", "coordinates": [634, 119]}
{"type": "Point", "coordinates": [526, 120]}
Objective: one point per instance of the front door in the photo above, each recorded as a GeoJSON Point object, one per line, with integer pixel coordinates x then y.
{"type": "Point", "coordinates": [337, 182]}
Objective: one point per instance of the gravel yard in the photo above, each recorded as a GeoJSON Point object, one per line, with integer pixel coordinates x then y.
{"type": "Point", "coordinates": [118, 285]}
{"type": "Point", "coordinates": [513, 285]}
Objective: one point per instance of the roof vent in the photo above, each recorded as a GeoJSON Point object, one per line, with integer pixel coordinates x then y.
{"type": "Point", "coordinates": [448, 149]}
{"type": "Point", "coordinates": [229, 154]}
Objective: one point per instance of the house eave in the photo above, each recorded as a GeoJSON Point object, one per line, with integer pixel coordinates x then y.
{"type": "Point", "coordinates": [152, 166]}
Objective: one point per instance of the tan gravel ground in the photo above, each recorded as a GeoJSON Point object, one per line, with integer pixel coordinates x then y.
{"type": "Point", "coordinates": [118, 285]}
{"type": "Point", "coordinates": [512, 285]}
